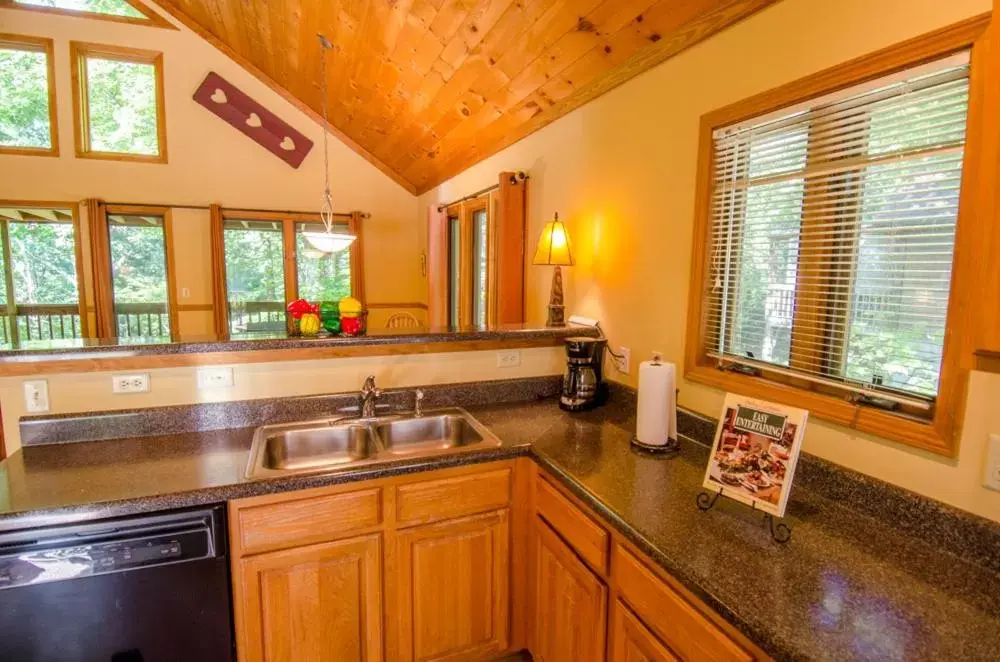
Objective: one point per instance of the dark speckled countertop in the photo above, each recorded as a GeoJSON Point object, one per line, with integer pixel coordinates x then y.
{"type": "Point", "coordinates": [847, 587]}
{"type": "Point", "coordinates": [77, 348]}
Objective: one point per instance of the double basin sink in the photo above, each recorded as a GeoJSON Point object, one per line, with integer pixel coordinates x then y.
{"type": "Point", "coordinates": [324, 445]}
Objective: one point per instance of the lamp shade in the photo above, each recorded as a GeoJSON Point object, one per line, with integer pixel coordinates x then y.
{"type": "Point", "coordinates": [553, 245]}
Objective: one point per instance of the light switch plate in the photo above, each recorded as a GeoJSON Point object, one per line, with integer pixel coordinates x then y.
{"type": "Point", "coordinates": [991, 474]}
{"type": "Point", "coordinates": [215, 377]}
{"type": "Point", "coordinates": [136, 383]}
{"type": "Point", "coordinates": [508, 358]}
{"type": "Point", "coordinates": [36, 396]}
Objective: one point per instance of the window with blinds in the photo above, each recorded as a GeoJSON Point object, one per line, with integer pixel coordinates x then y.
{"type": "Point", "coordinates": [832, 236]}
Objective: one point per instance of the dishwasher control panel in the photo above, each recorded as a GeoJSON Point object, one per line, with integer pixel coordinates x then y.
{"type": "Point", "coordinates": [24, 562]}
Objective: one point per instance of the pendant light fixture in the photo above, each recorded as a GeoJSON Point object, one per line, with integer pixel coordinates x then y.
{"type": "Point", "coordinates": [328, 241]}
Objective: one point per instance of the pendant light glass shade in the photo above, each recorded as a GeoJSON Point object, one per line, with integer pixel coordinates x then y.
{"type": "Point", "coordinates": [329, 242]}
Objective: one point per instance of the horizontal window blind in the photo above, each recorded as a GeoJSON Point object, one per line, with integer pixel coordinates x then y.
{"type": "Point", "coordinates": [833, 231]}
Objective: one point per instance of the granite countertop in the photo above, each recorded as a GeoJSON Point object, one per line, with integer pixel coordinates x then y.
{"type": "Point", "coordinates": [846, 587]}
{"type": "Point", "coordinates": [55, 350]}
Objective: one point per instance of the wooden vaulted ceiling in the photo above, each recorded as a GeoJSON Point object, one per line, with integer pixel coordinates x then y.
{"type": "Point", "coordinates": [426, 88]}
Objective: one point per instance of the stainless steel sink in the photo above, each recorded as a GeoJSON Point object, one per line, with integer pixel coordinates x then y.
{"type": "Point", "coordinates": [330, 445]}
{"type": "Point", "coordinates": [434, 432]}
{"type": "Point", "coordinates": [293, 449]}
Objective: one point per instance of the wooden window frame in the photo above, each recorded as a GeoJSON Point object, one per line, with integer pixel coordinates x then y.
{"type": "Point", "coordinates": [79, 52]}
{"type": "Point", "coordinates": [465, 212]}
{"type": "Point", "coordinates": [288, 222]}
{"type": "Point", "coordinates": [152, 19]}
{"type": "Point", "coordinates": [941, 433]}
{"type": "Point", "coordinates": [37, 45]}
{"type": "Point", "coordinates": [81, 285]}
{"type": "Point", "coordinates": [168, 257]}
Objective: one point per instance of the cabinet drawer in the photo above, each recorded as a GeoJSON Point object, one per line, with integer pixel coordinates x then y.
{"type": "Point", "coordinates": [585, 536]}
{"type": "Point", "coordinates": [307, 521]}
{"type": "Point", "coordinates": [672, 618]}
{"type": "Point", "coordinates": [433, 500]}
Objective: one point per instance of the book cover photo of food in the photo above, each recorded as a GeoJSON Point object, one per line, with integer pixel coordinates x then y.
{"type": "Point", "coordinates": [756, 447]}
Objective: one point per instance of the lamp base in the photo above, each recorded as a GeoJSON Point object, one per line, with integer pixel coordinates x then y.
{"type": "Point", "coordinates": [557, 315]}
{"type": "Point", "coordinates": [557, 311]}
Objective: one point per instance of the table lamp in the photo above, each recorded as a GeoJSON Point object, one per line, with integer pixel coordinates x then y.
{"type": "Point", "coordinates": [554, 250]}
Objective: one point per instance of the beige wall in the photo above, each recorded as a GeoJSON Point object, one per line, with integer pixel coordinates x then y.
{"type": "Point", "coordinates": [91, 391]}
{"type": "Point", "coordinates": [621, 171]}
{"type": "Point", "coordinates": [212, 162]}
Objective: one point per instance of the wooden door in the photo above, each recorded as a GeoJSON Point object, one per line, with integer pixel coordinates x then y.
{"type": "Point", "coordinates": [631, 640]}
{"type": "Point", "coordinates": [570, 603]}
{"type": "Point", "coordinates": [452, 589]}
{"type": "Point", "coordinates": [313, 604]}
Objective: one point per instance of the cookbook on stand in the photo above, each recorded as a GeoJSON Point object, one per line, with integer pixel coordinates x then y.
{"type": "Point", "coordinates": [756, 447]}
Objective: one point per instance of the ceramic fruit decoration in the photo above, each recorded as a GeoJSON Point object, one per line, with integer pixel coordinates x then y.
{"type": "Point", "coordinates": [351, 317]}
{"type": "Point", "coordinates": [329, 314]}
{"type": "Point", "coordinates": [309, 324]}
{"type": "Point", "coordinates": [296, 309]}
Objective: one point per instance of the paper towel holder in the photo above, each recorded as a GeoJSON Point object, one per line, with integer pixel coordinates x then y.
{"type": "Point", "coordinates": [672, 446]}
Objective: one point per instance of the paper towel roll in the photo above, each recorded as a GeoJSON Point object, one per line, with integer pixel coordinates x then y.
{"type": "Point", "coordinates": [656, 419]}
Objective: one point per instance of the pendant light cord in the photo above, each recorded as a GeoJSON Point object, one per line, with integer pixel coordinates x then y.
{"type": "Point", "coordinates": [326, 212]}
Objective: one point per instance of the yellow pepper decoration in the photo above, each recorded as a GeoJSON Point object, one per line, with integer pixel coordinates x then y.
{"type": "Point", "coordinates": [350, 307]}
{"type": "Point", "coordinates": [309, 324]}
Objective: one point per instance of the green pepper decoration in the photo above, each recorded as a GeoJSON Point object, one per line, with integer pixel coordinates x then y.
{"type": "Point", "coordinates": [329, 309]}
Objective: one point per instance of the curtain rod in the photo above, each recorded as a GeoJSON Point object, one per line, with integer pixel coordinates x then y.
{"type": "Point", "coordinates": [230, 209]}
{"type": "Point", "coordinates": [519, 176]}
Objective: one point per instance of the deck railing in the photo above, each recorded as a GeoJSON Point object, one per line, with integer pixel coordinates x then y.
{"type": "Point", "coordinates": [61, 321]}
{"type": "Point", "coordinates": [43, 322]}
{"type": "Point", "coordinates": [251, 316]}
{"type": "Point", "coordinates": [142, 320]}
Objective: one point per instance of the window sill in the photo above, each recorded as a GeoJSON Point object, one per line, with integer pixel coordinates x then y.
{"type": "Point", "coordinates": [988, 361]}
{"type": "Point", "coordinates": [924, 435]}
{"type": "Point", "coordinates": [123, 156]}
{"type": "Point", "coordinates": [29, 151]}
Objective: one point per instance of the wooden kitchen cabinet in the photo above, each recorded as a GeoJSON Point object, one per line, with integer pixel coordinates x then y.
{"type": "Point", "coordinates": [583, 570]}
{"type": "Point", "coordinates": [405, 568]}
{"type": "Point", "coordinates": [315, 603]}
{"type": "Point", "coordinates": [570, 605]}
{"type": "Point", "coordinates": [631, 640]}
{"type": "Point", "coordinates": [452, 588]}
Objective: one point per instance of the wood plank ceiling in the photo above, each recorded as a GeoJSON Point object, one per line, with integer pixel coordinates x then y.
{"type": "Point", "coordinates": [426, 88]}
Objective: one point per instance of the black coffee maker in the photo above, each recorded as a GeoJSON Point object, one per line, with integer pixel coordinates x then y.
{"type": "Point", "coordinates": [583, 385]}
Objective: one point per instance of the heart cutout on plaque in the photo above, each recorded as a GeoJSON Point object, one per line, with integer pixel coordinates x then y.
{"type": "Point", "coordinates": [287, 144]}
{"type": "Point", "coordinates": [219, 96]}
{"type": "Point", "coordinates": [253, 120]}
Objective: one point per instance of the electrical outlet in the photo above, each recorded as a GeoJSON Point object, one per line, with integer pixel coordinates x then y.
{"type": "Point", "coordinates": [624, 364]}
{"type": "Point", "coordinates": [137, 383]}
{"type": "Point", "coordinates": [509, 358]}
{"type": "Point", "coordinates": [215, 377]}
{"type": "Point", "coordinates": [991, 475]}
{"type": "Point", "coordinates": [36, 396]}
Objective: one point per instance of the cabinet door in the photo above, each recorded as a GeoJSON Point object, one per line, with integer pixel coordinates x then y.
{"type": "Point", "coordinates": [570, 603]}
{"type": "Point", "coordinates": [631, 641]}
{"type": "Point", "coordinates": [452, 589]}
{"type": "Point", "coordinates": [317, 603]}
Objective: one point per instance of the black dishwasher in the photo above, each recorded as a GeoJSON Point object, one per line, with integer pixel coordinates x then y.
{"type": "Point", "coordinates": [150, 588]}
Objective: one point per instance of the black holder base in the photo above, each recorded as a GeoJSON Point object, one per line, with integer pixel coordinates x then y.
{"type": "Point", "coordinates": [672, 446]}
{"type": "Point", "coordinates": [780, 532]}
